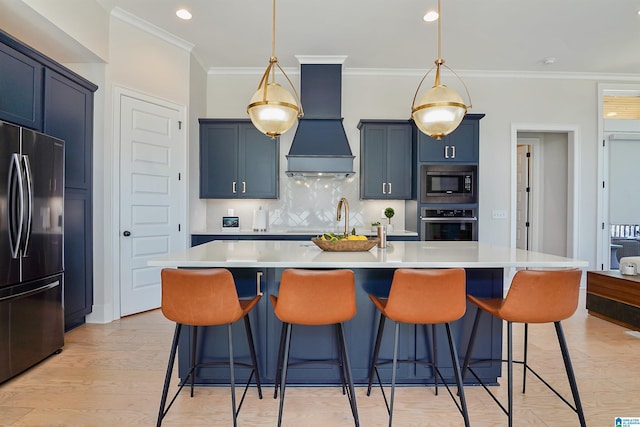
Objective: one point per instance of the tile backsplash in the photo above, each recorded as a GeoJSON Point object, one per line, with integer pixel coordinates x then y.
{"type": "Point", "coordinates": [308, 203]}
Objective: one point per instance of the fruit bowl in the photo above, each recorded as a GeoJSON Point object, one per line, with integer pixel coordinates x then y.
{"type": "Point", "coordinates": [344, 245]}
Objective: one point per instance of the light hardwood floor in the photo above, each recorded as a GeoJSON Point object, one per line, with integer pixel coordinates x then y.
{"type": "Point", "coordinates": [111, 375]}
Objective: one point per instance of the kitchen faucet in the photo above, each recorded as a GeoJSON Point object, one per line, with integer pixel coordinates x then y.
{"type": "Point", "coordinates": [342, 201]}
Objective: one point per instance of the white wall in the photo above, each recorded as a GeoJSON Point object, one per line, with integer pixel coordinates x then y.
{"type": "Point", "coordinates": [504, 100]}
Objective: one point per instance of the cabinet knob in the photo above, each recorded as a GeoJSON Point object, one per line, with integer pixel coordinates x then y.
{"type": "Point", "coordinates": [126, 233]}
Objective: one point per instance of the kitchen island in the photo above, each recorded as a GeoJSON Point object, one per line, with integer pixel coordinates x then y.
{"type": "Point", "coordinates": [257, 267]}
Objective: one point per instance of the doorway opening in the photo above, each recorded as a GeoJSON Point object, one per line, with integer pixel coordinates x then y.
{"type": "Point", "coordinates": [551, 176]}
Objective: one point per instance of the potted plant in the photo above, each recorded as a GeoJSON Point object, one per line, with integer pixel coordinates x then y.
{"type": "Point", "coordinates": [389, 213]}
{"type": "Point", "coordinates": [374, 226]}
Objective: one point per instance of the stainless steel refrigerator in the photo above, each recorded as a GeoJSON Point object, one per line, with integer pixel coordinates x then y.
{"type": "Point", "coordinates": [31, 248]}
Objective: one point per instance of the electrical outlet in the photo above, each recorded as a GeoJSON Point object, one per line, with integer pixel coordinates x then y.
{"type": "Point", "coordinates": [499, 214]}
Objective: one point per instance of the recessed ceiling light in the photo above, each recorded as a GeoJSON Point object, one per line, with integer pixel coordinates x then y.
{"type": "Point", "coordinates": [183, 14]}
{"type": "Point", "coordinates": [549, 61]}
{"type": "Point", "coordinates": [430, 16]}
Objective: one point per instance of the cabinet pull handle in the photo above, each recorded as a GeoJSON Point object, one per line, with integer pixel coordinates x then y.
{"type": "Point", "coordinates": [384, 188]}
{"type": "Point", "coordinates": [389, 188]}
{"type": "Point", "coordinates": [259, 283]}
{"type": "Point", "coordinates": [244, 187]}
{"type": "Point", "coordinates": [446, 151]}
{"type": "Point", "coordinates": [233, 187]}
{"type": "Point", "coordinates": [453, 150]}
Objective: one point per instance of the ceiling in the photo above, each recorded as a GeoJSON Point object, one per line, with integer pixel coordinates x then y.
{"type": "Point", "coordinates": [584, 36]}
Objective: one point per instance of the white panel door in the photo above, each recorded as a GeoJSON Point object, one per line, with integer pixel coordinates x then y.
{"type": "Point", "coordinates": [152, 153]}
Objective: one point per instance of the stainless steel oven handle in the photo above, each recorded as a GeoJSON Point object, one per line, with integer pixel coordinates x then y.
{"type": "Point", "coordinates": [448, 219]}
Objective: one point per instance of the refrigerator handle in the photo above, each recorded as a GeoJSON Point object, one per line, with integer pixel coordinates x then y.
{"type": "Point", "coordinates": [15, 178]}
{"type": "Point", "coordinates": [28, 177]}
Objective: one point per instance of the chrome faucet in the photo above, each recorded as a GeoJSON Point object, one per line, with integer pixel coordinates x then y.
{"type": "Point", "coordinates": [346, 214]}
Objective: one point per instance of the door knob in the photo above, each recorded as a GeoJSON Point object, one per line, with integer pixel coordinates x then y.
{"type": "Point", "coordinates": [126, 233]}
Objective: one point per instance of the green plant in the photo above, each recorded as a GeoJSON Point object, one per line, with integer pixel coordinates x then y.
{"type": "Point", "coordinates": [389, 213]}
{"type": "Point", "coordinates": [375, 224]}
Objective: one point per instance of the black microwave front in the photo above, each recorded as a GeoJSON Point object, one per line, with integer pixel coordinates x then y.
{"type": "Point", "coordinates": [448, 184]}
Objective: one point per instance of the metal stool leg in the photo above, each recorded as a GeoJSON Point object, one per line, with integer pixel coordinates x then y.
{"type": "Point", "coordinates": [570, 375]}
{"type": "Point", "coordinates": [458, 375]}
{"type": "Point", "coordinates": [347, 371]}
{"type": "Point", "coordinates": [194, 346]}
{"type": "Point", "coordinates": [435, 356]}
{"type": "Point", "coordinates": [167, 378]}
{"type": "Point", "coordinates": [283, 334]}
{"type": "Point", "coordinates": [524, 359]}
{"type": "Point", "coordinates": [510, 373]}
{"type": "Point", "coordinates": [341, 364]}
{"type": "Point", "coordinates": [252, 350]}
{"type": "Point", "coordinates": [472, 341]}
{"type": "Point", "coordinates": [393, 372]}
{"type": "Point", "coordinates": [283, 377]}
{"type": "Point", "coordinates": [232, 379]}
{"type": "Point", "coordinates": [376, 352]}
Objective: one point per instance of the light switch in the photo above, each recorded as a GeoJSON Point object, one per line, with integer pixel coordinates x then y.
{"type": "Point", "coordinates": [499, 214]}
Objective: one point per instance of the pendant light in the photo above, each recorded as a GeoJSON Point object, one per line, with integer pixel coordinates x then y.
{"type": "Point", "coordinates": [440, 109]}
{"type": "Point", "coordinates": [272, 109]}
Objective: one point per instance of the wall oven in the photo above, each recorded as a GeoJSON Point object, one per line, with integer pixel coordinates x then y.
{"type": "Point", "coordinates": [448, 224]}
{"type": "Point", "coordinates": [448, 184]}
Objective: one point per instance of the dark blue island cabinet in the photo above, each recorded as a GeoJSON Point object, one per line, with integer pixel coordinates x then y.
{"type": "Point", "coordinates": [318, 342]}
{"type": "Point", "coordinates": [38, 93]}
{"type": "Point", "coordinates": [386, 156]}
{"type": "Point", "coordinates": [461, 146]}
{"type": "Point", "coordinates": [237, 161]}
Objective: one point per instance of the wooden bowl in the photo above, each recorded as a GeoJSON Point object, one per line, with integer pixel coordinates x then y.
{"type": "Point", "coordinates": [345, 245]}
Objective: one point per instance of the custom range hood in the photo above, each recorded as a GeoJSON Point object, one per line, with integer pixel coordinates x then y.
{"type": "Point", "coordinates": [320, 146]}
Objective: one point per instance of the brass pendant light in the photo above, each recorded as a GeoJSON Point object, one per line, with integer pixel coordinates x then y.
{"type": "Point", "coordinates": [440, 110]}
{"type": "Point", "coordinates": [272, 109]}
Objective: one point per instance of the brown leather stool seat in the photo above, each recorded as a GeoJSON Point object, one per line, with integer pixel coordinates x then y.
{"type": "Point", "coordinates": [535, 296]}
{"type": "Point", "coordinates": [205, 298]}
{"type": "Point", "coordinates": [314, 298]}
{"type": "Point", "coordinates": [422, 297]}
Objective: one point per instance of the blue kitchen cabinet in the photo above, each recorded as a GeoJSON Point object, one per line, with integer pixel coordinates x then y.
{"type": "Point", "coordinates": [237, 161]}
{"type": "Point", "coordinates": [68, 115]}
{"type": "Point", "coordinates": [20, 88]}
{"type": "Point", "coordinates": [319, 342]}
{"type": "Point", "coordinates": [460, 146]}
{"type": "Point", "coordinates": [386, 149]}
{"type": "Point", "coordinates": [41, 94]}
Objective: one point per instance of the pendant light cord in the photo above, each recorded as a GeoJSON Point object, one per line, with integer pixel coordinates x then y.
{"type": "Point", "coordinates": [439, 20]}
{"type": "Point", "coordinates": [273, 31]}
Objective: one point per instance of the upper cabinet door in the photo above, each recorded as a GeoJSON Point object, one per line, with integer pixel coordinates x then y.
{"type": "Point", "coordinates": [237, 161]}
{"type": "Point", "coordinates": [69, 116]}
{"type": "Point", "coordinates": [399, 160]}
{"type": "Point", "coordinates": [461, 146]}
{"type": "Point", "coordinates": [259, 166]}
{"type": "Point", "coordinates": [20, 89]}
{"type": "Point", "coordinates": [219, 147]}
{"type": "Point", "coordinates": [386, 159]}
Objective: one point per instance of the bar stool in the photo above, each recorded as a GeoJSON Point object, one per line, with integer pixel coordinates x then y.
{"type": "Point", "coordinates": [205, 298]}
{"type": "Point", "coordinates": [315, 297]}
{"type": "Point", "coordinates": [422, 297]}
{"type": "Point", "coordinates": [534, 297]}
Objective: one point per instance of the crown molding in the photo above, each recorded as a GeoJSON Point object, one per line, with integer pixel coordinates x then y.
{"type": "Point", "coordinates": [411, 72]}
{"type": "Point", "coordinates": [147, 27]}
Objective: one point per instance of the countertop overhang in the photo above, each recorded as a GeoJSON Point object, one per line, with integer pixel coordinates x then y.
{"type": "Point", "coordinates": [400, 254]}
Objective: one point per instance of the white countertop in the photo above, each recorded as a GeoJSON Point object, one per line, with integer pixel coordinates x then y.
{"type": "Point", "coordinates": [304, 254]}
{"type": "Point", "coordinates": [299, 232]}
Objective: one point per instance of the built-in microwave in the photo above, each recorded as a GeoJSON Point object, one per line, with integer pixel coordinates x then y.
{"type": "Point", "coordinates": [448, 184]}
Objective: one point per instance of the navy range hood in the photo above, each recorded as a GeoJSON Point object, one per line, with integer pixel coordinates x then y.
{"type": "Point", "coordinates": [320, 146]}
